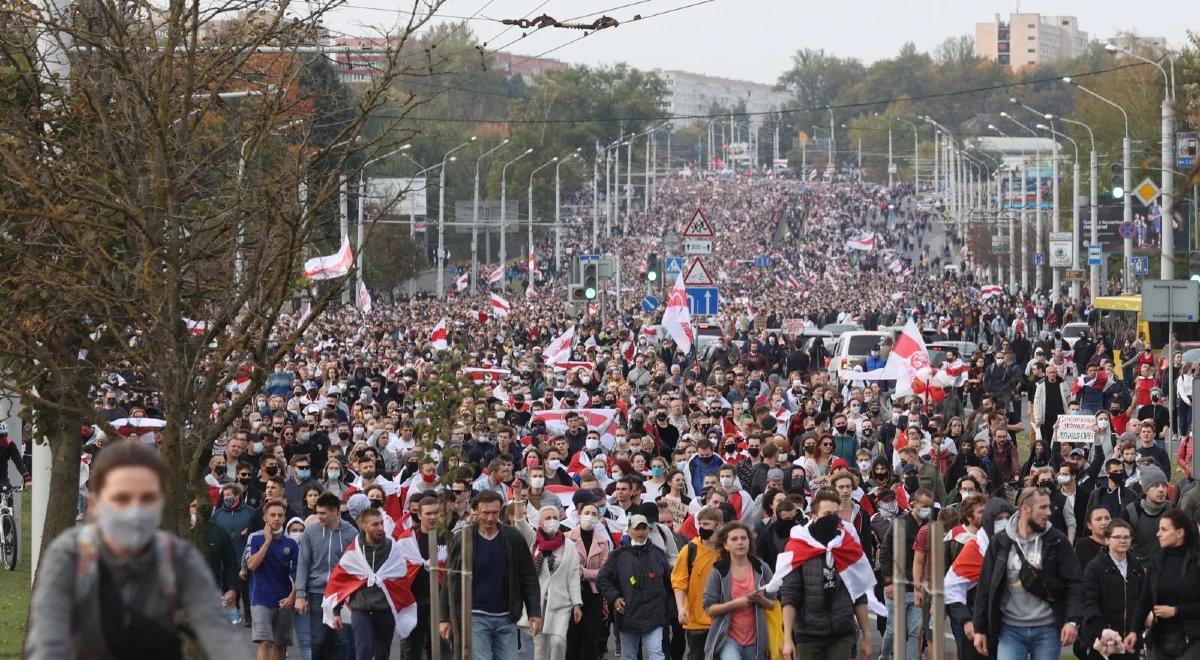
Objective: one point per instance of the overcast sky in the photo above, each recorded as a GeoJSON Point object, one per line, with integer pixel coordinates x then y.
{"type": "Point", "coordinates": [754, 39]}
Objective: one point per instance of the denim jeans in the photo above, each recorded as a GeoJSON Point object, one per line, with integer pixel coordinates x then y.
{"type": "Point", "coordinates": [649, 642]}
{"type": "Point", "coordinates": [912, 621]}
{"type": "Point", "coordinates": [731, 650]}
{"type": "Point", "coordinates": [1034, 642]}
{"type": "Point", "coordinates": [493, 637]}
{"type": "Point", "coordinates": [318, 641]}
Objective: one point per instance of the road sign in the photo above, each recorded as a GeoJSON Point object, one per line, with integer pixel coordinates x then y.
{"type": "Point", "coordinates": [1146, 191]}
{"type": "Point", "coordinates": [1074, 275]}
{"type": "Point", "coordinates": [1171, 300]}
{"type": "Point", "coordinates": [1095, 255]}
{"type": "Point", "coordinates": [1039, 258]}
{"type": "Point", "coordinates": [697, 274]}
{"type": "Point", "coordinates": [1000, 244]}
{"type": "Point", "coordinates": [649, 304]}
{"type": "Point", "coordinates": [698, 226]}
{"type": "Point", "coordinates": [703, 300]}
{"type": "Point", "coordinates": [583, 258]}
{"type": "Point", "coordinates": [696, 246]}
{"type": "Point", "coordinates": [1141, 265]}
{"type": "Point", "coordinates": [762, 262]}
{"type": "Point", "coordinates": [1127, 230]}
{"type": "Point", "coordinates": [1185, 150]}
{"type": "Point", "coordinates": [672, 267]}
{"type": "Point", "coordinates": [1061, 249]}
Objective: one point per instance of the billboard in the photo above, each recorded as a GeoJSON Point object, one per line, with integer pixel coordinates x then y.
{"type": "Point", "coordinates": [410, 191]}
{"type": "Point", "coordinates": [489, 215]}
{"type": "Point", "coordinates": [1147, 225]}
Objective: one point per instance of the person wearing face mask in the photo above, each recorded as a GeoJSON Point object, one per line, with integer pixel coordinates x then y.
{"type": "Point", "coordinates": [585, 457]}
{"type": "Point", "coordinates": [636, 581]}
{"type": "Point", "coordinates": [558, 569]}
{"type": "Point", "coordinates": [321, 547]}
{"type": "Point", "coordinates": [920, 512]}
{"type": "Point", "coordinates": [689, 577]}
{"type": "Point", "coordinates": [100, 591]}
{"type": "Point", "coordinates": [593, 545]}
{"type": "Point", "coordinates": [963, 577]}
{"type": "Point", "coordinates": [1113, 494]}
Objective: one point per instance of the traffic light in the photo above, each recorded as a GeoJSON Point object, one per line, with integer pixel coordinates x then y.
{"type": "Point", "coordinates": [653, 267]}
{"type": "Point", "coordinates": [589, 281]}
{"type": "Point", "coordinates": [577, 294]}
{"type": "Point", "coordinates": [1118, 180]}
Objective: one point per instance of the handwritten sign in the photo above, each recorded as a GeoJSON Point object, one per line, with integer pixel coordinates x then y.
{"type": "Point", "coordinates": [1077, 428]}
{"type": "Point", "coordinates": [793, 327]}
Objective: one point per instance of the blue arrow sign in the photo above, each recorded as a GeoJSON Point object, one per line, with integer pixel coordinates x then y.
{"type": "Point", "coordinates": [649, 304]}
{"type": "Point", "coordinates": [672, 267]}
{"type": "Point", "coordinates": [762, 262]}
{"type": "Point", "coordinates": [703, 300]}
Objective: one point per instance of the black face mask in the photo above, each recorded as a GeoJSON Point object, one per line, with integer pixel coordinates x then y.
{"type": "Point", "coordinates": [824, 529]}
{"type": "Point", "coordinates": [783, 526]}
{"type": "Point", "coordinates": [841, 428]}
{"type": "Point", "coordinates": [376, 504]}
{"type": "Point", "coordinates": [271, 471]}
{"type": "Point", "coordinates": [868, 432]}
{"type": "Point", "coordinates": [245, 481]}
{"type": "Point", "coordinates": [730, 448]}
{"type": "Point", "coordinates": [1118, 477]}
{"type": "Point", "coordinates": [911, 484]}
{"type": "Point", "coordinates": [705, 534]}
{"type": "Point", "coordinates": [220, 470]}
{"type": "Point", "coordinates": [881, 476]}
{"type": "Point", "coordinates": [753, 451]}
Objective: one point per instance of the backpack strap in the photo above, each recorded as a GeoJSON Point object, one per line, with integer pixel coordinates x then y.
{"type": "Point", "coordinates": [691, 561]}
{"type": "Point", "coordinates": [87, 562]}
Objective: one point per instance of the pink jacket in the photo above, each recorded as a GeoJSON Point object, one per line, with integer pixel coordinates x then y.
{"type": "Point", "coordinates": [591, 561]}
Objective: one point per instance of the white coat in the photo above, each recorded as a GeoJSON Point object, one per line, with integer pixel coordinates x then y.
{"type": "Point", "coordinates": [559, 591]}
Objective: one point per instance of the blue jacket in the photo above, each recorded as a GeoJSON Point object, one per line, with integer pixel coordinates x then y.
{"type": "Point", "coordinates": [698, 469]}
{"type": "Point", "coordinates": [874, 362]}
{"type": "Point", "coordinates": [236, 522]}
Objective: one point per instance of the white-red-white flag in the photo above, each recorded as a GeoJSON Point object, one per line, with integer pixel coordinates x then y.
{"type": "Point", "coordinates": [496, 275]}
{"type": "Point", "coordinates": [529, 293]}
{"type": "Point", "coordinates": [438, 338]}
{"type": "Point", "coordinates": [500, 307]}
{"type": "Point", "coordinates": [559, 348]}
{"type": "Point", "coordinates": [600, 420]}
{"type": "Point", "coordinates": [793, 283]}
{"type": "Point", "coordinates": [331, 266]}
{"type": "Point", "coordinates": [750, 311]}
{"type": "Point", "coordinates": [533, 269]}
{"type": "Point", "coordinates": [197, 328]}
{"type": "Point", "coordinates": [395, 577]}
{"type": "Point", "coordinates": [364, 299]}
{"type": "Point", "coordinates": [484, 374]}
{"type": "Point", "coordinates": [463, 281]}
{"type": "Point", "coordinates": [864, 242]}
{"type": "Point", "coordinates": [844, 552]}
{"type": "Point", "coordinates": [907, 358]}
{"type": "Point", "coordinates": [677, 318]}
{"type": "Point", "coordinates": [779, 281]}
{"type": "Point", "coordinates": [990, 290]}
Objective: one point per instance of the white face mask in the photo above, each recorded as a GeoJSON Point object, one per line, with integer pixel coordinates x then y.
{"type": "Point", "coordinates": [1064, 478]}
{"type": "Point", "coordinates": [726, 482]}
{"type": "Point", "coordinates": [587, 522]}
{"type": "Point", "coordinates": [296, 536]}
{"type": "Point", "coordinates": [864, 466]}
{"type": "Point", "coordinates": [635, 542]}
{"type": "Point", "coordinates": [554, 464]}
{"type": "Point", "coordinates": [537, 482]}
{"type": "Point", "coordinates": [1103, 424]}
{"type": "Point", "coordinates": [592, 444]}
{"type": "Point", "coordinates": [550, 526]}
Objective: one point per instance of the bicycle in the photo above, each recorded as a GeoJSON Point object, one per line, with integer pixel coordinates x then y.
{"type": "Point", "coordinates": [10, 536]}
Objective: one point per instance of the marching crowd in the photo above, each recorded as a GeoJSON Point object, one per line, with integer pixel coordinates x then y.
{"type": "Point", "coordinates": [613, 494]}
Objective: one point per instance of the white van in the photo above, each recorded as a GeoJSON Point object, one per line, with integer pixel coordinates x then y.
{"type": "Point", "coordinates": [853, 349]}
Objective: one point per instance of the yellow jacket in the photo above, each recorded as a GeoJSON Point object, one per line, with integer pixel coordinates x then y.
{"type": "Point", "coordinates": [692, 582]}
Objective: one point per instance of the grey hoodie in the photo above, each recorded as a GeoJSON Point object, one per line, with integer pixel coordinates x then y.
{"type": "Point", "coordinates": [320, 550]}
{"type": "Point", "coordinates": [1021, 608]}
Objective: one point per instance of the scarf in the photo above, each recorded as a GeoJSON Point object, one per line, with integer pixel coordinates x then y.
{"type": "Point", "coordinates": [544, 547]}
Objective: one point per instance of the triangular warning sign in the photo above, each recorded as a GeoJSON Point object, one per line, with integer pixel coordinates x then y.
{"type": "Point", "coordinates": [698, 226]}
{"type": "Point", "coordinates": [697, 274]}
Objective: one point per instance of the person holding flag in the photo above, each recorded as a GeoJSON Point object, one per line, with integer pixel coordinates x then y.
{"type": "Point", "coordinates": [823, 578]}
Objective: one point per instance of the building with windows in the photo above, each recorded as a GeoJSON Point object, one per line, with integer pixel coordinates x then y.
{"type": "Point", "coordinates": [691, 94]}
{"type": "Point", "coordinates": [1029, 39]}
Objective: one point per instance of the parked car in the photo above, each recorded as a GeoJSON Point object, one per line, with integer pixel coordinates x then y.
{"type": "Point", "coordinates": [852, 349]}
{"type": "Point", "coordinates": [938, 350]}
{"type": "Point", "coordinates": [1073, 331]}
{"type": "Point", "coordinates": [836, 329]}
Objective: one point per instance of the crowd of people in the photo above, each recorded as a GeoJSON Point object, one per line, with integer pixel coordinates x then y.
{"type": "Point", "coordinates": [622, 497]}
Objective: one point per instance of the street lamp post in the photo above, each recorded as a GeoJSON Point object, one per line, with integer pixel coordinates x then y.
{"type": "Point", "coordinates": [1075, 230]}
{"type": "Point", "coordinates": [504, 205]}
{"type": "Point", "coordinates": [558, 208]}
{"type": "Point", "coordinates": [412, 215]}
{"type": "Point", "coordinates": [1024, 221]}
{"type": "Point", "coordinates": [1126, 180]}
{"type": "Point", "coordinates": [362, 195]}
{"type": "Point", "coordinates": [1037, 199]}
{"type": "Point", "coordinates": [1056, 273]}
{"type": "Point", "coordinates": [475, 218]}
{"type": "Point", "coordinates": [1166, 258]}
{"type": "Point", "coordinates": [441, 253]}
{"type": "Point", "coordinates": [530, 209]}
{"type": "Point", "coordinates": [916, 156]}
{"type": "Point", "coordinates": [832, 137]}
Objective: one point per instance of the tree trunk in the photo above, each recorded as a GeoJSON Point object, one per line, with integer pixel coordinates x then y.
{"type": "Point", "coordinates": [61, 430]}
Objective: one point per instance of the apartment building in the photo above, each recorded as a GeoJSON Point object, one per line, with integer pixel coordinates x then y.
{"type": "Point", "coordinates": [1029, 39]}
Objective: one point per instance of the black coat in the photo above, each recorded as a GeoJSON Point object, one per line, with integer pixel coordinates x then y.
{"type": "Point", "coordinates": [1109, 600]}
{"type": "Point", "coordinates": [523, 588]}
{"type": "Point", "coordinates": [642, 576]}
{"type": "Point", "coordinates": [1060, 571]}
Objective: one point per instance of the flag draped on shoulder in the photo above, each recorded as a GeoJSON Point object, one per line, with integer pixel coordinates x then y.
{"type": "Point", "coordinates": [964, 572]}
{"type": "Point", "coordinates": [331, 266]}
{"type": "Point", "coordinates": [395, 577]}
{"type": "Point", "coordinates": [844, 553]}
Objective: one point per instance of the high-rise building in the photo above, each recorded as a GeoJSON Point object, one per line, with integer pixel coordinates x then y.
{"type": "Point", "coordinates": [1029, 39]}
{"type": "Point", "coordinates": [692, 94]}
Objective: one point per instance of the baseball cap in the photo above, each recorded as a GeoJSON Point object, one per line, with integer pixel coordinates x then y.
{"type": "Point", "coordinates": [637, 520]}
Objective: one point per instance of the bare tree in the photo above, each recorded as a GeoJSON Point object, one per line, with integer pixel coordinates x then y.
{"type": "Point", "coordinates": [181, 170]}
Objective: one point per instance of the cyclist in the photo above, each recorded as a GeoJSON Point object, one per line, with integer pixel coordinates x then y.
{"type": "Point", "coordinates": [10, 452]}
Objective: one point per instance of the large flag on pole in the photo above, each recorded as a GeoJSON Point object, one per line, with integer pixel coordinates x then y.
{"type": "Point", "coordinates": [559, 349]}
{"type": "Point", "coordinates": [677, 318]}
{"type": "Point", "coordinates": [907, 358]}
{"type": "Point", "coordinates": [462, 282]}
{"type": "Point", "coordinates": [865, 242]}
{"type": "Point", "coordinates": [496, 275]}
{"type": "Point", "coordinates": [438, 337]}
{"type": "Point", "coordinates": [332, 266]}
{"type": "Point", "coordinates": [500, 307]}
{"type": "Point", "coordinates": [364, 299]}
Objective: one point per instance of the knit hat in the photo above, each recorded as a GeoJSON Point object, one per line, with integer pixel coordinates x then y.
{"type": "Point", "coordinates": [774, 473]}
{"type": "Point", "coordinates": [1151, 476]}
{"type": "Point", "coordinates": [357, 503]}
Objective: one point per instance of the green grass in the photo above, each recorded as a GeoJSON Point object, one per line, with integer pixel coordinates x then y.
{"type": "Point", "coordinates": [15, 587]}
